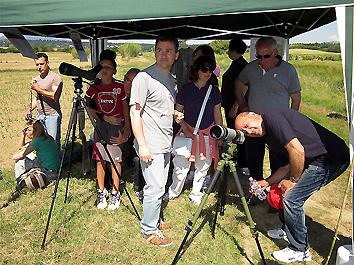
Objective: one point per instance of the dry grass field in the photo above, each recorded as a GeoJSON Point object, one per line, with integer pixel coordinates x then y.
{"type": "Point", "coordinates": [81, 234]}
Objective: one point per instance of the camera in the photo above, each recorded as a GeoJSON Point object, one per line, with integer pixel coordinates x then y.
{"type": "Point", "coordinates": [71, 70]}
{"type": "Point", "coordinates": [219, 132]}
{"type": "Point", "coordinates": [29, 118]}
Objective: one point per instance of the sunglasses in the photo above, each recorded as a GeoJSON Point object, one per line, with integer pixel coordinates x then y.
{"type": "Point", "coordinates": [265, 56]}
{"type": "Point", "coordinates": [205, 69]}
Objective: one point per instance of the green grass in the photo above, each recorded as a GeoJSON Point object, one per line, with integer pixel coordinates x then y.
{"type": "Point", "coordinates": [81, 234]}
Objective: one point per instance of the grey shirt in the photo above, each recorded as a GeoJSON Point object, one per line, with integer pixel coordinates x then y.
{"type": "Point", "coordinates": [269, 89]}
{"type": "Point", "coordinates": [155, 91]}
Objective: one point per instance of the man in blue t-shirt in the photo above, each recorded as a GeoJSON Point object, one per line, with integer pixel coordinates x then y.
{"type": "Point", "coordinates": [311, 156]}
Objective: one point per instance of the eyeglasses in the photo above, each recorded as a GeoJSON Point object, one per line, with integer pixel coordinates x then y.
{"type": "Point", "coordinates": [265, 56]}
{"type": "Point", "coordinates": [205, 69]}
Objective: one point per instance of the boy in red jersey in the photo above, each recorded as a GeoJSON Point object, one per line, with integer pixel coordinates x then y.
{"type": "Point", "coordinates": [107, 102]}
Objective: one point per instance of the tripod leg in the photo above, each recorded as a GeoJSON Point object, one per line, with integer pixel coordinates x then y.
{"type": "Point", "coordinates": [190, 224]}
{"type": "Point", "coordinates": [109, 155]}
{"type": "Point", "coordinates": [73, 138]}
{"type": "Point", "coordinates": [246, 210]}
{"type": "Point", "coordinates": [54, 194]}
{"type": "Point", "coordinates": [220, 205]}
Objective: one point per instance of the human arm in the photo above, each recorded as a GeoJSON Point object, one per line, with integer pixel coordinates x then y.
{"type": "Point", "coordinates": [217, 114]}
{"type": "Point", "coordinates": [137, 126]}
{"type": "Point", "coordinates": [54, 94]}
{"type": "Point", "coordinates": [25, 150]}
{"type": "Point", "coordinates": [276, 177]}
{"type": "Point", "coordinates": [241, 90]}
{"type": "Point", "coordinates": [296, 153]}
{"type": "Point", "coordinates": [295, 100]}
{"type": "Point", "coordinates": [185, 129]}
{"type": "Point", "coordinates": [126, 128]}
{"type": "Point", "coordinates": [97, 115]}
{"type": "Point", "coordinates": [22, 141]}
{"type": "Point", "coordinates": [297, 161]}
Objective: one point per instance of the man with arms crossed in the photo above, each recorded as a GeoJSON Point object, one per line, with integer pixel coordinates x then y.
{"type": "Point", "coordinates": [152, 111]}
{"type": "Point", "coordinates": [48, 86]}
{"type": "Point", "coordinates": [271, 83]}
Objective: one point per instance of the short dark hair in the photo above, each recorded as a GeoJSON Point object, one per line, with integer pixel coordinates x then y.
{"type": "Point", "coordinates": [108, 54]}
{"type": "Point", "coordinates": [112, 61]}
{"type": "Point", "coordinates": [132, 71]}
{"type": "Point", "coordinates": [238, 45]}
{"type": "Point", "coordinates": [206, 50]}
{"type": "Point", "coordinates": [167, 38]}
{"type": "Point", "coordinates": [199, 63]}
{"type": "Point", "coordinates": [42, 54]}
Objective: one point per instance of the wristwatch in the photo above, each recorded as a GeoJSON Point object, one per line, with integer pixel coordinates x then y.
{"type": "Point", "coordinates": [293, 180]}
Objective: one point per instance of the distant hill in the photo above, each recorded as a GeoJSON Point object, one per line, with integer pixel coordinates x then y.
{"type": "Point", "coordinates": [324, 46]}
{"type": "Point", "coordinates": [60, 44]}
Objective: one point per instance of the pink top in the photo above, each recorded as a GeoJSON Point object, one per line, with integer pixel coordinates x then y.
{"type": "Point", "coordinates": [213, 145]}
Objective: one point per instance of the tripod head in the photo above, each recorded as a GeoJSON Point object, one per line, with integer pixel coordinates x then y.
{"type": "Point", "coordinates": [228, 150]}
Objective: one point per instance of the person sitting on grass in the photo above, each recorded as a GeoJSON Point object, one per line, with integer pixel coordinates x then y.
{"type": "Point", "coordinates": [109, 107]}
{"type": "Point", "coordinates": [47, 154]}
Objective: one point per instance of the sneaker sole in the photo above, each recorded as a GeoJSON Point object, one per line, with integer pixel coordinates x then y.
{"type": "Point", "coordinates": [101, 207]}
{"type": "Point", "coordinates": [111, 208]}
{"type": "Point", "coordinates": [294, 260]}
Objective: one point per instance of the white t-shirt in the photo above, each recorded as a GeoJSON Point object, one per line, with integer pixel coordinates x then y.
{"type": "Point", "coordinates": [155, 91]}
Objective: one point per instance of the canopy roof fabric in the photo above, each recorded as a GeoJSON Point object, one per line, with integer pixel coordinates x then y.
{"type": "Point", "coordinates": [185, 19]}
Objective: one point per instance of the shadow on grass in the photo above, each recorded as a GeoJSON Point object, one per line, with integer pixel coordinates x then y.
{"type": "Point", "coordinates": [12, 198]}
{"type": "Point", "coordinates": [208, 216]}
{"type": "Point", "coordinates": [320, 237]}
{"type": "Point", "coordinates": [68, 218]}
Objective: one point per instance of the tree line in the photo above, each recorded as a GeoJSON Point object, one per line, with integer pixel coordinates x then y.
{"type": "Point", "coordinates": [134, 49]}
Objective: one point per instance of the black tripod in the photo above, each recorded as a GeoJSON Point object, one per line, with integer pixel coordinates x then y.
{"type": "Point", "coordinates": [79, 105]}
{"type": "Point", "coordinates": [226, 160]}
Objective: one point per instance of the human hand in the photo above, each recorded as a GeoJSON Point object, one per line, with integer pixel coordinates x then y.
{"type": "Point", "coordinates": [187, 133]}
{"type": "Point", "coordinates": [114, 120]}
{"type": "Point", "coordinates": [24, 130]}
{"type": "Point", "coordinates": [34, 85]}
{"type": "Point", "coordinates": [126, 133]}
{"type": "Point", "coordinates": [178, 116]}
{"type": "Point", "coordinates": [117, 140]}
{"type": "Point", "coordinates": [285, 186]}
{"type": "Point", "coordinates": [263, 183]}
{"type": "Point", "coordinates": [145, 154]}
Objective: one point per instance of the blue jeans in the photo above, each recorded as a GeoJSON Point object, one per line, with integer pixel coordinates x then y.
{"type": "Point", "coordinates": [52, 125]}
{"type": "Point", "coordinates": [312, 179]}
{"type": "Point", "coordinates": [155, 174]}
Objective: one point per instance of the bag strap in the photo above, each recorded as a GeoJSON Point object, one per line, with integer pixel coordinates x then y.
{"type": "Point", "coordinates": [42, 104]}
{"type": "Point", "coordinates": [196, 128]}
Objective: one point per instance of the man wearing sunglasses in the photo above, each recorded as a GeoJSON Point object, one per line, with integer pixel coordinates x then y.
{"type": "Point", "coordinates": [271, 83]}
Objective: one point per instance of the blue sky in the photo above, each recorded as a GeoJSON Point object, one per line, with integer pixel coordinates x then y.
{"type": "Point", "coordinates": [325, 33]}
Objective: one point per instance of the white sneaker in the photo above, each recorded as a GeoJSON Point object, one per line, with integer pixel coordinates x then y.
{"type": "Point", "coordinates": [277, 234]}
{"type": "Point", "coordinates": [114, 202]}
{"type": "Point", "coordinates": [288, 255]}
{"type": "Point", "coordinates": [195, 200]}
{"type": "Point", "coordinates": [101, 199]}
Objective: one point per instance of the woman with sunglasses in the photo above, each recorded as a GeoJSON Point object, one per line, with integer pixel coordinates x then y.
{"type": "Point", "coordinates": [189, 100]}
